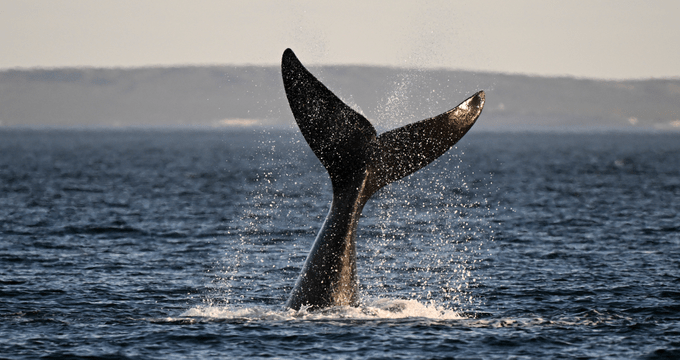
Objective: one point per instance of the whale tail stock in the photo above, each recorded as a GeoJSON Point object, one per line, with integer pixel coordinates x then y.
{"type": "Point", "coordinates": [359, 163]}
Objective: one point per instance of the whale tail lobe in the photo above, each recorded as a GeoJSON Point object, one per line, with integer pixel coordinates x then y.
{"type": "Point", "coordinates": [347, 144]}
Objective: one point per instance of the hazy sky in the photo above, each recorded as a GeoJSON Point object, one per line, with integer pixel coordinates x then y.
{"type": "Point", "coordinates": [600, 39]}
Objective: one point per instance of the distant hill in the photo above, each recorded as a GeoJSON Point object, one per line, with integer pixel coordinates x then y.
{"type": "Point", "coordinates": [248, 95]}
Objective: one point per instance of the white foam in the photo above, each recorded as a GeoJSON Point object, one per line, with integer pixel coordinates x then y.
{"type": "Point", "coordinates": [376, 309]}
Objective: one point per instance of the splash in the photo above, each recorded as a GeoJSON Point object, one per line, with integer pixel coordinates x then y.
{"type": "Point", "coordinates": [376, 309]}
{"type": "Point", "coordinates": [430, 232]}
{"type": "Point", "coordinates": [423, 239]}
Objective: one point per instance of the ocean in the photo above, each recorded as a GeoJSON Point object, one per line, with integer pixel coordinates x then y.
{"type": "Point", "coordinates": [185, 243]}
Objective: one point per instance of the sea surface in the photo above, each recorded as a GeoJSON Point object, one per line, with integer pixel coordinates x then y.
{"type": "Point", "coordinates": [184, 244]}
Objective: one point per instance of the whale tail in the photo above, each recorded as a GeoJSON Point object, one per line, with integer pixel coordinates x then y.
{"type": "Point", "coordinates": [359, 163]}
{"type": "Point", "coordinates": [347, 144]}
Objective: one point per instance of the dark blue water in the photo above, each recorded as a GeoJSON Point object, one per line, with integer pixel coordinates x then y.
{"type": "Point", "coordinates": [185, 244]}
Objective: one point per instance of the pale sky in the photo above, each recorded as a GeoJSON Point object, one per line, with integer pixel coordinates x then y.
{"type": "Point", "coordinates": [594, 39]}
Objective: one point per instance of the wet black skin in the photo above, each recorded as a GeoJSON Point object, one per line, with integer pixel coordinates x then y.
{"type": "Point", "coordinates": [359, 163]}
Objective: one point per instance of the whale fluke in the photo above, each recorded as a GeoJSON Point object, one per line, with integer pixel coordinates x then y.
{"type": "Point", "coordinates": [359, 163]}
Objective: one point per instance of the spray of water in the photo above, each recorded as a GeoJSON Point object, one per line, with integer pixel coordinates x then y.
{"type": "Point", "coordinates": [420, 240]}
{"type": "Point", "coordinates": [423, 238]}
